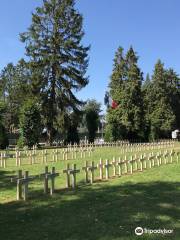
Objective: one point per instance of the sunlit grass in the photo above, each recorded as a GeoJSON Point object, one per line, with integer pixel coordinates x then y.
{"type": "Point", "coordinates": [106, 210]}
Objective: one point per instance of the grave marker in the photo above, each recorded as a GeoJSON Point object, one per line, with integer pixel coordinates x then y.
{"type": "Point", "coordinates": [19, 185]}
{"type": "Point", "coordinates": [120, 163]}
{"type": "Point", "coordinates": [3, 160]}
{"type": "Point", "coordinates": [131, 164]}
{"type": "Point", "coordinates": [107, 166]}
{"type": "Point", "coordinates": [24, 182]}
{"type": "Point", "coordinates": [67, 175]}
{"type": "Point", "coordinates": [92, 168]}
{"type": "Point", "coordinates": [114, 164]}
{"type": "Point", "coordinates": [45, 177]}
{"type": "Point", "coordinates": [52, 177]}
{"type": "Point", "coordinates": [100, 166]}
{"type": "Point", "coordinates": [73, 173]}
{"type": "Point", "coordinates": [85, 168]}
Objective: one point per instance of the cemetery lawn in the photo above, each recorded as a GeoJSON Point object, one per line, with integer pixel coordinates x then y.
{"type": "Point", "coordinates": [108, 210]}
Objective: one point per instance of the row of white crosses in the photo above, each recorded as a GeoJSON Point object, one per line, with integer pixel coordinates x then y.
{"type": "Point", "coordinates": [84, 150]}
{"type": "Point", "coordinates": [146, 146]}
{"type": "Point", "coordinates": [67, 154]}
{"type": "Point", "coordinates": [126, 165]}
{"type": "Point", "coordinates": [71, 153]}
{"type": "Point", "coordinates": [104, 144]}
{"type": "Point", "coordinates": [119, 167]}
{"type": "Point", "coordinates": [3, 158]}
{"type": "Point", "coordinates": [125, 143]}
{"type": "Point", "coordinates": [33, 156]}
{"type": "Point", "coordinates": [72, 149]}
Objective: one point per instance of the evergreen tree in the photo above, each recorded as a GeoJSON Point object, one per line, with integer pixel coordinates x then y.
{"type": "Point", "coordinates": [133, 99]}
{"type": "Point", "coordinates": [125, 88]}
{"type": "Point", "coordinates": [147, 91]}
{"type": "Point", "coordinates": [160, 112]}
{"type": "Point", "coordinates": [30, 123]}
{"type": "Point", "coordinates": [147, 82]}
{"type": "Point", "coordinates": [114, 129]}
{"type": "Point", "coordinates": [57, 59]}
{"type": "Point", "coordinates": [91, 112]}
{"type": "Point", "coordinates": [173, 92]}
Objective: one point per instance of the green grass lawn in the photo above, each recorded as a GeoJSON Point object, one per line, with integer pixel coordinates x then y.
{"type": "Point", "coordinates": [108, 210]}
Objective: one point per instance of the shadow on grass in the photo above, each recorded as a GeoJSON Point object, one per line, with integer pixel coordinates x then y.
{"type": "Point", "coordinates": [5, 179]}
{"type": "Point", "coordinates": [100, 212]}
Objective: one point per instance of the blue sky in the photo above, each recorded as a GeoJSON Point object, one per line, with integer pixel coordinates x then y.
{"type": "Point", "coordinates": [152, 27]}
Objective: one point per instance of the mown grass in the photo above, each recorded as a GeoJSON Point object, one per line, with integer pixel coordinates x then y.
{"type": "Point", "coordinates": [108, 210]}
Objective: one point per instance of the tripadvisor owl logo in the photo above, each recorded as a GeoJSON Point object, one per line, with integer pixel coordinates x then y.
{"type": "Point", "coordinates": [139, 231]}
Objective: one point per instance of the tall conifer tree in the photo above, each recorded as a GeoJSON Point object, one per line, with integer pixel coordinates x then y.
{"type": "Point", "coordinates": [160, 112]}
{"type": "Point", "coordinates": [57, 59]}
{"type": "Point", "coordinates": [126, 121]}
{"type": "Point", "coordinates": [147, 91]}
{"type": "Point", "coordinates": [173, 92]}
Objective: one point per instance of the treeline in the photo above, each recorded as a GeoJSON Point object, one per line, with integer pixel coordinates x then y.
{"type": "Point", "coordinates": [144, 109]}
{"type": "Point", "coordinates": [38, 95]}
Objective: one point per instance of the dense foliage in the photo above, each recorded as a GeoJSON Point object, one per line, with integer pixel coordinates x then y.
{"type": "Point", "coordinates": [30, 124]}
{"type": "Point", "coordinates": [55, 70]}
{"type": "Point", "coordinates": [125, 121]}
{"type": "Point", "coordinates": [57, 59]}
{"type": "Point", "coordinates": [145, 110]}
{"type": "Point", "coordinates": [91, 112]}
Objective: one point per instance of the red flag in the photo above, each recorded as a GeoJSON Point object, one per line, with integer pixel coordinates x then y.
{"type": "Point", "coordinates": [114, 104]}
